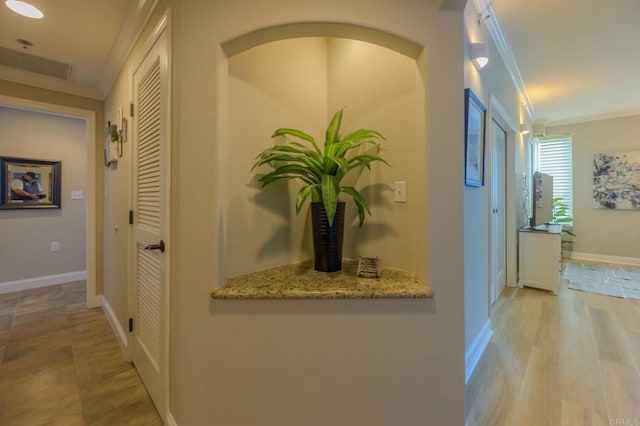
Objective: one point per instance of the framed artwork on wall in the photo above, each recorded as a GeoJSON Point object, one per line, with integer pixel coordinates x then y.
{"type": "Point", "coordinates": [616, 180]}
{"type": "Point", "coordinates": [474, 129]}
{"type": "Point", "coordinates": [29, 184]}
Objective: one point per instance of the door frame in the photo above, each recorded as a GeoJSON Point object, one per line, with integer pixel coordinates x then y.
{"type": "Point", "coordinates": [164, 26]}
{"type": "Point", "coordinates": [498, 113]}
{"type": "Point", "coordinates": [89, 117]}
{"type": "Point", "coordinates": [494, 291]}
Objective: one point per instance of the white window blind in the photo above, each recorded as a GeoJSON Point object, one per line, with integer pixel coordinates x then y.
{"type": "Point", "coordinates": [553, 157]}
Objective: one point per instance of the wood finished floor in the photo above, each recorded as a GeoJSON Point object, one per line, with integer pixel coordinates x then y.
{"type": "Point", "coordinates": [60, 364]}
{"type": "Point", "coordinates": [571, 359]}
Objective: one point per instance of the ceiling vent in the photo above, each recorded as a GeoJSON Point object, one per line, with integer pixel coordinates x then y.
{"type": "Point", "coordinates": [23, 61]}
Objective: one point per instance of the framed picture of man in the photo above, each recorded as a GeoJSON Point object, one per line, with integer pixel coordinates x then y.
{"type": "Point", "coordinates": [29, 184]}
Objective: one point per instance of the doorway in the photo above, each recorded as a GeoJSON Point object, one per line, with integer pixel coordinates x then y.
{"type": "Point", "coordinates": [498, 265]}
{"type": "Point", "coordinates": [150, 280]}
{"type": "Point", "coordinates": [89, 118]}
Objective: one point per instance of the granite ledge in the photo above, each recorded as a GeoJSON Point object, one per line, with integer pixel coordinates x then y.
{"type": "Point", "coordinates": [301, 281]}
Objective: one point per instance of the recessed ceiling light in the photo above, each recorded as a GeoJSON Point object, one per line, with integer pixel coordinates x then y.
{"type": "Point", "coordinates": [24, 9]}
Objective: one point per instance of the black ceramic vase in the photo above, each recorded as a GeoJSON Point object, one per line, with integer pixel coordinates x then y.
{"type": "Point", "coordinates": [327, 240]}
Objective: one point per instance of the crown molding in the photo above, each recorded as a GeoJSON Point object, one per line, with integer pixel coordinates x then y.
{"type": "Point", "coordinates": [597, 117]}
{"type": "Point", "coordinates": [137, 18]}
{"type": "Point", "coordinates": [489, 19]}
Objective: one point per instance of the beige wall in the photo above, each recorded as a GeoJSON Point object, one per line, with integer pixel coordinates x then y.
{"type": "Point", "coordinates": [376, 362]}
{"type": "Point", "coordinates": [36, 94]}
{"type": "Point", "coordinates": [280, 84]}
{"type": "Point", "coordinates": [300, 83]}
{"type": "Point", "coordinates": [601, 231]}
{"type": "Point", "coordinates": [27, 234]}
{"type": "Point", "coordinates": [380, 89]}
{"type": "Point", "coordinates": [491, 84]}
{"type": "Point", "coordinates": [219, 373]}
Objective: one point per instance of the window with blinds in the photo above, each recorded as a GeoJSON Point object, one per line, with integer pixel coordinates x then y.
{"type": "Point", "coordinates": [552, 156]}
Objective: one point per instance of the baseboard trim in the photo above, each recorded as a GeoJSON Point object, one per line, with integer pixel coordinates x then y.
{"type": "Point", "coordinates": [46, 281]}
{"type": "Point", "coordinates": [590, 257]}
{"type": "Point", "coordinates": [121, 336]}
{"type": "Point", "coordinates": [473, 355]}
{"type": "Point", "coordinates": [170, 420]}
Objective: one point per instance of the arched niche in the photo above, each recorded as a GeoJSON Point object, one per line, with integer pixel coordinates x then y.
{"type": "Point", "coordinates": [297, 76]}
{"type": "Point", "coordinates": [321, 29]}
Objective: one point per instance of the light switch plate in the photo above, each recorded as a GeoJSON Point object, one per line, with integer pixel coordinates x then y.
{"type": "Point", "coordinates": [400, 193]}
{"type": "Point", "coordinates": [77, 195]}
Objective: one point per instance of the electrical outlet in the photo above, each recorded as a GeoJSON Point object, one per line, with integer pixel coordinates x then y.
{"type": "Point", "coordinates": [400, 193]}
{"type": "Point", "coordinates": [55, 246]}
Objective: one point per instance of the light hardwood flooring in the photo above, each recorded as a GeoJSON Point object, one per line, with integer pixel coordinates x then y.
{"type": "Point", "coordinates": [571, 359]}
{"type": "Point", "coordinates": [60, 364]}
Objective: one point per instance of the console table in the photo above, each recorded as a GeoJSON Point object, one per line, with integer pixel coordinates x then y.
{"type": "Point", "coordinates": [540, 260]}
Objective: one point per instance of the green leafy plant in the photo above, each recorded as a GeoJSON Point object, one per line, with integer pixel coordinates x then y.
{"type": "Point", "coordinates": [561, 214]}
{"type": "Point", "coordinates": [321, 170]}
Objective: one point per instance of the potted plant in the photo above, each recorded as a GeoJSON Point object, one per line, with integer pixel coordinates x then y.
{"type": "Point", "coordinates": [321, 172]}
{"type": "Point", "coordinates": [561, 216]}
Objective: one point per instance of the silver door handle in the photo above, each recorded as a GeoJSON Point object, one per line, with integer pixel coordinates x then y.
{"type": "Point", "coordinates": [159, 246]}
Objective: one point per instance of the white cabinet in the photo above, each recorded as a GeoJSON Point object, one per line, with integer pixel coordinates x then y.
{"type": "Point", "coordinates": [540, 259]}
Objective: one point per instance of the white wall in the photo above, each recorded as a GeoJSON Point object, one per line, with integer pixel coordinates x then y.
{"type": "Point", "coordinates": [601, 231]}
{"type": "Point", "coordinates": [27, 234]}
{"type": "Point", "coordinates": [490, 83]}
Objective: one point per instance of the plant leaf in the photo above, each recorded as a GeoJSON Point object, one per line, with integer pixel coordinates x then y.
{"type": "Point", "coordinates": [360, 201]}
{"type": "Point", "coordinates": [298, 134]}
{"type": "Point", "coordinates": [362, 134]}
{"type": "Point", "coordinates": [303, 194]}
{"type": "Point", "coordinates": [329, 197]}
{"type": "Point", "coordinates": [333, 129]}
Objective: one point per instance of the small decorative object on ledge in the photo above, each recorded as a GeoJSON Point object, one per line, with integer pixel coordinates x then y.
{"type": "Point", "coordinates": [369, 267]}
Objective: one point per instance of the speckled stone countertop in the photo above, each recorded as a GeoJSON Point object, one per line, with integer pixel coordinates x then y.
{"type": "Point", "coordinates": [301, 281]}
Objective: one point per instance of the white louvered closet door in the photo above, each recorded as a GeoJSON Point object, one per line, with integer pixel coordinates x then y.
{"type": "Point", "coordinates": [150, 192]}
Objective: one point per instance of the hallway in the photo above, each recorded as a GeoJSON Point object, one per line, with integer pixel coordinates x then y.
{"type": "Point", "coordinates": [60, 363]}
{"type": "Point", "coordinates": [571, 359]}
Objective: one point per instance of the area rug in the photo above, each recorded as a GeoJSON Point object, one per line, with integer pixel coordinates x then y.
{"type": "Point", "coordinates": [610, 280]}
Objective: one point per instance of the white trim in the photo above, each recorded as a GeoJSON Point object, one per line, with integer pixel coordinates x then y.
{"type": "Point", "coordinates": [492, 24]}
{"type": "Point", "coordinates": [91, 227]}
{"type": "Point", "coordinates": [473, 355]}
{"type": "Point", "coordinates": [46, 281]}
{"type": "Point", "coordinates": [170, 420]}
{"type": "Point", "coordinates": [597, 117]}
{"type": "Point", "coordinates": [137, 17]}
{"type": "Point", "coordinates": [120, 334]}
{"type": "Point", "coordinates": [591, 257]}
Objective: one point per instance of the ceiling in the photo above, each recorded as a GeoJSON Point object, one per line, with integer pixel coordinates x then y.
{"type": "Point", "coordinates": [578, 58]}
{"type": "Point", "coordinates": [78, 32]}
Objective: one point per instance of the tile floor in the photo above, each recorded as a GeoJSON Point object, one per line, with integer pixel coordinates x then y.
{"type": "Point", "coordinates": [60, 364]}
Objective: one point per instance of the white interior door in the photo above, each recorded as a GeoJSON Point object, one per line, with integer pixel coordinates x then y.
{"type": "Point", "coordinates": [150, 225]}
{"type": "Point", "coordinates": [498, 207]}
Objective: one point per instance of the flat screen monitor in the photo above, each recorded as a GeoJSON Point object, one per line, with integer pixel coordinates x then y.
{"type": "Point", "coordinates": [542, 208]}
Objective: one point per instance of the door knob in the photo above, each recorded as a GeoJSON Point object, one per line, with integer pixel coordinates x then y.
{"type": "Point", "coordinates": [159, 246]}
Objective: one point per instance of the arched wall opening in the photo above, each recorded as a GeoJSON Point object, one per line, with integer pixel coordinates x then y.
{"type": "Point", "coordinates": [298, 76]}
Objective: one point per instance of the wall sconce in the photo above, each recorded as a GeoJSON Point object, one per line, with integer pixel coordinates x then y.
{"type": "Point", "coordinates": [524, 129]}
{"type": "Point", "coordinates": [479, 55]}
